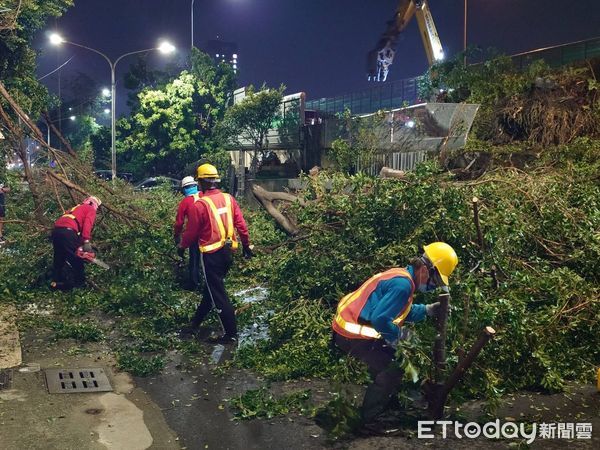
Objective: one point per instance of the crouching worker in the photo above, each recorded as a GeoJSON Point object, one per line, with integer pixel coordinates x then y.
{"type": "Point", "coordinates": [73, 230]}
{"type": "Point", "coordinates": [186, 216]}
{"type": "Point", "coordinates": [369, 321]}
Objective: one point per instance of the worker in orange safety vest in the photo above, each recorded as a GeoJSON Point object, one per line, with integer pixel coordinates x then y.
{"type": "Point", "coordinates": [369, 322]}
{"type": "Point", "coordinates": [213, 231]}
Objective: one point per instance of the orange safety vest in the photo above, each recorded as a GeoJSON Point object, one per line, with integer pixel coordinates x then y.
{"type": "Point", "coordinates": [346, 321]}
{"type": "Point", "coordinates": [221, 223]}
{"type": "Point", "coordinates": [72, 217]}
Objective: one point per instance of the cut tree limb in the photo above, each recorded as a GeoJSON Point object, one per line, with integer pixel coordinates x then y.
{"type": "Point", "coordinates": [267, 198]}
{"type": "Point", "coordinates": [387, 172]}
{"type": "Point", "coordinates": [127, 218]}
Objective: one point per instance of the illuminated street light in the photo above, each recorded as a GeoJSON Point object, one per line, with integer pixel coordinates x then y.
{"type": "Point", "coordinates": [56, 39]}
{"type": "Point", "coordinates": [164, 47]}
{"type": "Point", "coordinates": [72, 117]}
{"type": "Point", "coordinates": [106, 92]}
{"type": "Point", "coordinates": [106, 111]}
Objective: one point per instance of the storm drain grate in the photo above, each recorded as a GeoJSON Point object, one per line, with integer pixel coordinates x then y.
{"type": "Point", "coordinates": [5, 379]}
{"type": "Point", "coordinates": [71, 381]}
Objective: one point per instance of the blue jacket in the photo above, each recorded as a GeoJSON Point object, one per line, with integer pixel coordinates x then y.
{"type": "Point", "coordinates": [385, 303]}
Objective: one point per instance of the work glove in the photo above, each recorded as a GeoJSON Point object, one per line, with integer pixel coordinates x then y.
{"type": "Point", "coordinates": [247, 252]}
{"type": "Point", "coordinates": [180, 252]}
{"type": "Point", "coordinates": [87, 247]}
{"type": "Point", "coordinates": [432, 309]}
{"type": "Point", "coordinates": [405, 334]}
{"type": "Point", "coordinates": [177, 239]}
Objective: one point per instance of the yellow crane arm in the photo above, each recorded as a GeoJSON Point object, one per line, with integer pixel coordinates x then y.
{"type": "Point", "coordinates": [381, 58]}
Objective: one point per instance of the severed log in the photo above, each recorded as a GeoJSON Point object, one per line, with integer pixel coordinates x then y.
{"type": "Point", "coordinates": [387, 172]}
{"type": "Point", "coordinates": [439, 345]}
{"type": "Point", "coordinates": [266, 198]}
{"type": "Point", "coordinates": [437, 393]}
{"type": "Point", "coordinates": [485, 336]}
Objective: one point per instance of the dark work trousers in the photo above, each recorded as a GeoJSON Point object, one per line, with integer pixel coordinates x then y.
{"type": "Point", "coordinates": [215, 266]}
{"type": "Point", "coordinates": [194, 267]}
{"type": "Point", "coordinates": [380, 359]}
{"type": "Point", "coordinates": [65, 242]}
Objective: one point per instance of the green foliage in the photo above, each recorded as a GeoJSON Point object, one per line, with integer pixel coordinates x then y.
{"type": "Point", "coordinates": [340, 416]}
{"type": "Point", "coordinates": [360, 139]}
{"type": "Point", "coordinates": [485, 83]}
{"type": "Point", "coordinates": [541, 233]}
{"type": "Point", "coordinates": [17, 59]}
{"type": "Point", "coordinates": [262, 404]}
{"type": "Point", "coordinates": [81, 331]}
{"type": "Point", "coordinates": [175, 124]}
{"type": "Point", "coordinates": [139, 295]}
{"type": "Point", "coordinates": [250, 120]}
{"type": "Point", "coordinates": [139, 365]}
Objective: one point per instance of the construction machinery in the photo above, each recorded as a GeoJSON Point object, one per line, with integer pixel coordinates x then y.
{"type": "Point", "coordinates": [381, 58]}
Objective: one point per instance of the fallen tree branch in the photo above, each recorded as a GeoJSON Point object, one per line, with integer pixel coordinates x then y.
{"type": "Point", "coordinates": [127, 218]}
{"type": "Point", "coordinates": [266, 198]}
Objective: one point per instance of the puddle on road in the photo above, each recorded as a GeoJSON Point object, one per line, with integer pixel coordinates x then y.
{"type": "Point", "coordinates": [252, 295]}
{"type": "Point", "coordinates": [258, 330]}
{"type": "Point", "coordinates": [217, 353]}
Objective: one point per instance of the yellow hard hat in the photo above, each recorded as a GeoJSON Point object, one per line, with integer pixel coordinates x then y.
{"type": "Point", "coordinates": [208, 171]}
{"type": "Point", "coordinates": [443, 257]}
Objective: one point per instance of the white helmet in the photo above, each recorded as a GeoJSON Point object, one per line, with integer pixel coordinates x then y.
{"type": "Point", "coordinates": [188, 181]}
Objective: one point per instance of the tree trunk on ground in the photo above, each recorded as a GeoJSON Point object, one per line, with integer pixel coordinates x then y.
{"type": "Point", "coordinates": [267, 198]}
{"type": "Point", "coordinates": [386, 172]}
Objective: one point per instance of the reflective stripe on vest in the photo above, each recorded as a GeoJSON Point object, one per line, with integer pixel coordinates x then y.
{"type": "Point", "coordinates": [224, 235]}
{"type": "Point", "coordinates": [348, 312]}
{"type": "Point", "coordinates": [72, 217]}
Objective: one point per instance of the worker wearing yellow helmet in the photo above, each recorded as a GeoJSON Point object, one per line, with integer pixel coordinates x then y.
{"type": "Point", "coordinates": [369, 322]}
{"type": "Point", "coordinates": [218, 217]}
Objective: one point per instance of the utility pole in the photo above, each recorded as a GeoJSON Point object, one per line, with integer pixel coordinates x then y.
{"type": "Point", "coordinates": [465, 36]}
{"type": "Point", "coordinates": [192, 18]}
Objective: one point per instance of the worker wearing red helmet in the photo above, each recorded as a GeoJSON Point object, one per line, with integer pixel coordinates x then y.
{"type": "Point", "coordinates": [213, 231]}
{"type": "Point", "coordinates": [369, 322]}
{"type": "Point", "coordinates": [73, 230]}
{"type": "Point", "coordinates": [185, 211]}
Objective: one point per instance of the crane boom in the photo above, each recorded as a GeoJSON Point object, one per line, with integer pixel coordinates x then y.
{"type": "Point", "coordinates": [381, 58]}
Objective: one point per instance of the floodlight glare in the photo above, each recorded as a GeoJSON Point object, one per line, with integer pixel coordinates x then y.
{"type": "Point", "coordinates": [56, 39]}
{"type": "Point", "coordinates": [106, 92]}
{"type": "Point", "coordinates": [166, 47]}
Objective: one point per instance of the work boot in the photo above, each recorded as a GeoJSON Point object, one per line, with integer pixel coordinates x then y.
{"type": "Point", "coordinates": [226, 339]}
{"type": "Point", "coordinates": [375, 402]}
{"type": "Point", "coordinates": [188, 331]}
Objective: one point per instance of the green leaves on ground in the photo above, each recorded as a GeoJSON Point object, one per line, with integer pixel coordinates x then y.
{"type": "Point", "coordinates": [262, 404]}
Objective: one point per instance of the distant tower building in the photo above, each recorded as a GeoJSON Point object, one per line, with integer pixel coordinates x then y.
{"type": "Point", "coordinates": [222, 51]}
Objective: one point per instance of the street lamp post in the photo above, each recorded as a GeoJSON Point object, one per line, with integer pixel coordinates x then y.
{"type": "Point", "coordinates": [165, 48]}
{"type": "Point", "coordinates": [192, 18]}
{"type": "Point", "coordinates": [465, 36]}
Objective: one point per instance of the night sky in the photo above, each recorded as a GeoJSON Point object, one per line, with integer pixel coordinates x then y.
{"type": "Point", "coordinates": [315, 46]}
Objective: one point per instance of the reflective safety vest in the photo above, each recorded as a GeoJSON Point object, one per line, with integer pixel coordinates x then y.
{"type": "Point", "coordinates": [347, 322]}
{"type": "Point", "coordinates": [72, 217]}
{"type": "Point", "coordinates": [221, 223]}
